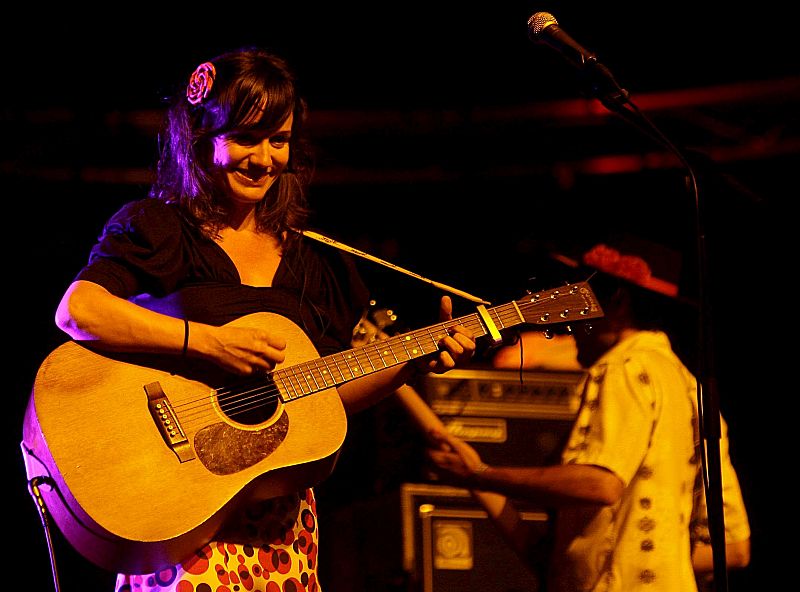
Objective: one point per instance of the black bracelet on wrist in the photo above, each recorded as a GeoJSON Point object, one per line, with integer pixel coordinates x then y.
{"type": "Point", "coordinates": [185, 338]}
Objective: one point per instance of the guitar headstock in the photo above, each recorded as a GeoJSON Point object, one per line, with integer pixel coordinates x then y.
{"type": "Point", "coordinates": [571, 303]}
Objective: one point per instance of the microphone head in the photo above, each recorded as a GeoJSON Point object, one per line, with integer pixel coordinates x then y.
{"type": "Point", "coordinates": [539, 22]}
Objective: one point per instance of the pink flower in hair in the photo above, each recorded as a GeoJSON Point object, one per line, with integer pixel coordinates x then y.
{"type": "Point", "coordinates": [200, 83]}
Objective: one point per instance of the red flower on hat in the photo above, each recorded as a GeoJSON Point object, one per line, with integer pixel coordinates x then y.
{"type": "Point", "coordinates": [609, 260]}
{"type": "Point", "coordinates": [632, 268]}
{"type": "Point", "coordinates": [200, 83]}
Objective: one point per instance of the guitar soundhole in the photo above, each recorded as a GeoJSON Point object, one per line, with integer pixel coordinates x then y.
{"type": "Point", "coordinates": [249, 402]}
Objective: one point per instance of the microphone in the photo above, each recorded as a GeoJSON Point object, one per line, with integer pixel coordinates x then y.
{"type": "Point", "coordinates": [543, 28]}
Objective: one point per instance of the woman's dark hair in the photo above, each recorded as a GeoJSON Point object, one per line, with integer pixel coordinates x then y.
{"type": "Point", "coordinates": [248, 82]}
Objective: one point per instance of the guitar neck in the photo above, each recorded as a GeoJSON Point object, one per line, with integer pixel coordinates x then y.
{"type": "Point", "coordinates": [572, 303]}
{"type": "Point", "coordinates": [336, 369]}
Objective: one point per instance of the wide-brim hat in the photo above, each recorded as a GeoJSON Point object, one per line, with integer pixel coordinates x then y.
{"type": "Point", "coordinates": [645, 265]}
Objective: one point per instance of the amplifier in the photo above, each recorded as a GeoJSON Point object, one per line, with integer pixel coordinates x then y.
{"type": "Point", "coordinates": [504, 393]}
{"type": "Point", "coordinates": [509, 417]}
{"type": "Point", "coordinates": [450, 543]}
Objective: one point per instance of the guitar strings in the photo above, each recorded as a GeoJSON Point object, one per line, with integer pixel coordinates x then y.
{"type": "Point", "coordinates": [309, 377]}
{"type": "Point", "coordinates": [313, 376]}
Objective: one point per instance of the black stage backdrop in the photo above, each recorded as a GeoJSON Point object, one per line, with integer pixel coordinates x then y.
{"type": "Point", "coordinates": [430, 125]}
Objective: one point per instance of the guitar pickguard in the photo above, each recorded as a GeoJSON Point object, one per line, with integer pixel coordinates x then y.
{"type": "Point", "coordinates": [224, 449]}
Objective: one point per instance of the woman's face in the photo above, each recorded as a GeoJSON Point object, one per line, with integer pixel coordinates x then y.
{"type": "Point", "coordinates": [249, 162]}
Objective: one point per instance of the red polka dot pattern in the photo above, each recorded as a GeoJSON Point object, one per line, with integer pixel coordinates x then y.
{"type": "Point", "coordinates": [269, 546]}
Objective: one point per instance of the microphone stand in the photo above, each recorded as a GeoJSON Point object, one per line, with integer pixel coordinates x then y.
{"type": "Point", "coordinates": [616, 99]}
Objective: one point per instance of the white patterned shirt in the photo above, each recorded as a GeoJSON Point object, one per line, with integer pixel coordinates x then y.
{"type": "Point", "coordinates": [638, 419]}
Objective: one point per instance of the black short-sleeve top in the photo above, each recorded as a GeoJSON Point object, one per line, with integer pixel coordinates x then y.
{"type": "Point", "coordinates": [151, 254]}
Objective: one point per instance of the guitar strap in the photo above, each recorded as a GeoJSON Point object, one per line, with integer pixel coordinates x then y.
{"type": "Point", "coordinates": [329, 241]}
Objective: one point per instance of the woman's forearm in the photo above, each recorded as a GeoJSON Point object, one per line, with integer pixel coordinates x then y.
{"type": "Point", "coordinates": [88, 312]}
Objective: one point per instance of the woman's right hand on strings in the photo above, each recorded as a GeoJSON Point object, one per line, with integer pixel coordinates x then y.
{"type": "Point", "coordinates": [88, 312]}
{"type": "Point", "coordinates": [241, 350]}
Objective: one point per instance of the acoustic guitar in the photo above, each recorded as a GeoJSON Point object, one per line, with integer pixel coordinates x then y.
{"type": "Point", "coordinates": [142, 458]}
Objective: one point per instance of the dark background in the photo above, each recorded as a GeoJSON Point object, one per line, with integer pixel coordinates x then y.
{"type": "Point", "coordinates": [449, 144]}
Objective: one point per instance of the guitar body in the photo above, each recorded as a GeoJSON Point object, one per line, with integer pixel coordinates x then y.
{"type": "Point", "coordinates": [131, 499]}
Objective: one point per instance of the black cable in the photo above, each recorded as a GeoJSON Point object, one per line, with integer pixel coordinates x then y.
{"type": "Point", "coordinates": [33, 488]}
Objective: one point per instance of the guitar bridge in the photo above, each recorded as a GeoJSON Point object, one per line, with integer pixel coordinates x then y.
{"type": "Point", "coordinates": [167, 423]}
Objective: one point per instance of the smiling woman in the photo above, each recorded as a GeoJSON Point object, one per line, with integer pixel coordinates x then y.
{"type": "Point", "coordinates": [212, 273]}
{"type": "Point", "coordinates": [228, 143]}
{"type": "Point", "coordinates": [251, 161]}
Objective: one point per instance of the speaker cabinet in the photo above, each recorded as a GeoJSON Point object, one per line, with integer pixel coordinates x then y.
{"type": "Point", "coordinates": [450, 543]}
{"type": "Point", "coordinates": [381, 487]}
{"type": "Point", "coordinates": [510, 418]}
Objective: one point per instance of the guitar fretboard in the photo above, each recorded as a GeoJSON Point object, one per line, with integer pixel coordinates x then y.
{"type": "Point", "coordinates": [570, 303]}
{"type": "Point", "coordinates": [331, 371]}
